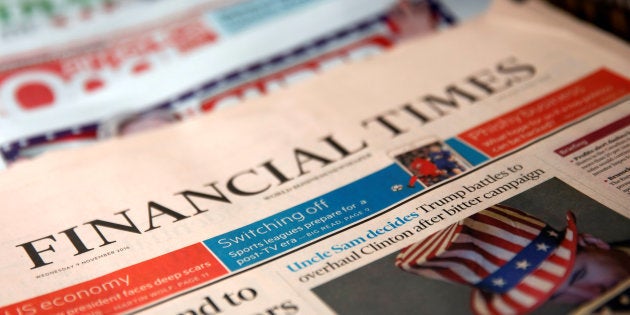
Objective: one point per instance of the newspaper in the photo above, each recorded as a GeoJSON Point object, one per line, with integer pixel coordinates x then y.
{"type": "Point", "coordinates": [218, 40]}
{"type": "Point", "coordinates": [484, 170]}
{"type": "Point", "coordinates": [43, 104]}
{"type": "Point", "coordinates": [59, 27]}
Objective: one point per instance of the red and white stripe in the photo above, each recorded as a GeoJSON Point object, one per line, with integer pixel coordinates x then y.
{"type": "Point", "coordinates": [475, 247]}
{"type": "Point", "coordinates": [536, 287]}
{"type": "Point", "coordinates": [472, 249]}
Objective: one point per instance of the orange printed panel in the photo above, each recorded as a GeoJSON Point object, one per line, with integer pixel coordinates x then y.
{"type": "Point", "coordinates": [129, 287]}
{"type": "Point", "coordinates": [529, 122]}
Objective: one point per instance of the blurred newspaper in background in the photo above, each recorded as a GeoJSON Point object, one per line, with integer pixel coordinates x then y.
{"type": "Point", "coordinates": [66, 65]}
{"type": "Point", "coordinates": [610, 15]}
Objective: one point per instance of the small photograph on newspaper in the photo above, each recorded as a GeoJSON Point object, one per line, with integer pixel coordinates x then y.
{"type": "Point", "coordinates": [429, 161]}
{"type": "Point", "coordinates": [535, 252]}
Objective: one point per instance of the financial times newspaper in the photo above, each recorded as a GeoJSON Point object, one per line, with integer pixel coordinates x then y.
{"type": "Point", "coordinates": [484, 170]}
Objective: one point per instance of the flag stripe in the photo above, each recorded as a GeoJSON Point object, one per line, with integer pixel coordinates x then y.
{"type": "Point", "coordinates": [553, 269]}
{"type": "Point", "coordinates": [495, 250]}
{"type": "Point", "coordinates": [414, 249]}
{"type": "Point", "coordinates": [444, 243]}
{"type": "Point", "coordinates": [522, 297]}
{"type": "Point", "coordinates": [417, 257]}
{"type": "Point", "coordinates": [563, 253]}
{"type": "Point", "coordinates": [460, 270]}
{"type": "Point", "coordinates": [500, 305]}
{"type": "Point", "coordinates": [538, 282]}
{"type": "Point", "coordinates": [497, 232]}
{"type": "Point", "coordinates": [474, 266]}
{"type": "Point", "coordinates": [534, 229]}
{"type": "Point", "coordinates": [512, 227]}
{"type": "Point", "coordinates": [517, 215]}
{"type": "Point", "coordinates": [475, 256]}
{"type": "Point", "coordinates": [494, 240]}
{"type": "Point", "coordinates": [530, 290]}
{"type": "Point", "coordinates": [472, 247]}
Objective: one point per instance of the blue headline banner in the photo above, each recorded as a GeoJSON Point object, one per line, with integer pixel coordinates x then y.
{"type": "Point", "coordinates": [312, 219]}
{"type": "Point", "coordinates": [469, 153]}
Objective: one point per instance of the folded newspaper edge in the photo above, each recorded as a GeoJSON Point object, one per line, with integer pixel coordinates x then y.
{"type": "Point", "coordinates": [484, 170]}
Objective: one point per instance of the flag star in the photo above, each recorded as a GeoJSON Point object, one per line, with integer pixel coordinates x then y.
{"type": "Point", "coordinates": [522, 264]}
{"type": "Point", "coordinates": [499, 282]}
{"type": "Point", "coordinates": [542, 247]}
{"type": "Point", "coordinates": [552, 233]}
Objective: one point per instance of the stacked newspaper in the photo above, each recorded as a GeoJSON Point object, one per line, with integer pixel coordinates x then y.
{"type": "Point", "coordinates": [224, 52]}
{"type": "Point", "coordinates": [481, 170]}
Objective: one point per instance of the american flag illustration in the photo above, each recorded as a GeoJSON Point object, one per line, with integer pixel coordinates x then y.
{"type": "Point", "coordinates": [513, 260]}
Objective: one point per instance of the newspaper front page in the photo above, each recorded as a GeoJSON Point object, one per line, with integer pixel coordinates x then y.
{"type": "Point", "coordinates": [483, 170]}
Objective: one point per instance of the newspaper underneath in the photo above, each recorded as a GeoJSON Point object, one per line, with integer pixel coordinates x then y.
{"type": "Point", "coordinates": [39, 113]}
{"type": "Point", "coordinates": [483, 170]}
